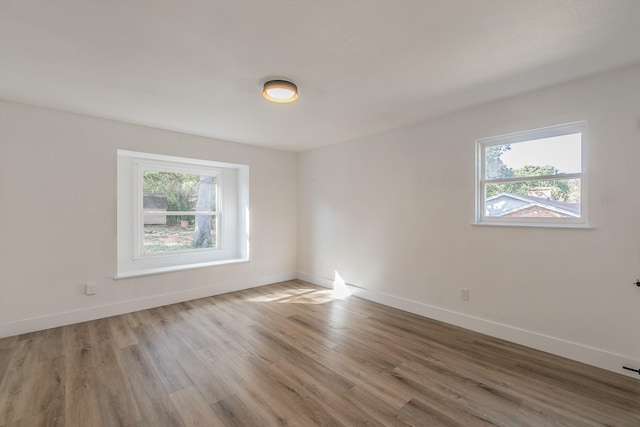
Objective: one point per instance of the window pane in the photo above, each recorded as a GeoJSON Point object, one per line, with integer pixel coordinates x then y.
{"type": "Point", "coordinates": [166, 233]}
{"type": "Point", "coordinates": [559, 198]}
{"type": "Point", "coordinates": [174, 191]}
{"type": "Point", "coordinates": [546, 156]}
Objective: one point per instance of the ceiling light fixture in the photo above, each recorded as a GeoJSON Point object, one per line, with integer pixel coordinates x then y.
{"type": "Point", "coordinates": [280, 91]}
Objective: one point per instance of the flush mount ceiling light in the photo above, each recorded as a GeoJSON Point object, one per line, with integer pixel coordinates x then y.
{"type": "Point", "coordinates": [280, 91]}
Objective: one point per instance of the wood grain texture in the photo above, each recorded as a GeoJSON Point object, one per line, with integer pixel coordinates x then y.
{"type": "Point", "coordinates": [290, 355]}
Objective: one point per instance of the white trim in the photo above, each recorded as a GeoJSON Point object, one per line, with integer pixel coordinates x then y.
{"type": "Point", "coordinates": [171, 269]}
{"type": "Point", "coordinates": [556, 177]}
{"type": "Point", "coordinates": [532, 134]}
{"type": "Point", "coordinates": [550, 344]}
{"type": "Point", "coordinates": [39, 323]}
{"type": "Point", "coordinates": [172, 159]}
{"type": "Point", "coordinates": [533, 225]}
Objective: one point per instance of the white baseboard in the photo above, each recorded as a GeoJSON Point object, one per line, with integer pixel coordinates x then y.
{"type": "Point", "coordinates": [554, 345]}
{"type": "Point", "coordinates": [39, 323]}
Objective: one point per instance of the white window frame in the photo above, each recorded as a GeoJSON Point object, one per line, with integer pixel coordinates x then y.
{"type": "Point", "coordinates": [232, 211]}
{"type": "Point", "coordinates": [142, 165]}
{"type": "Point", "coordinates": [513, 138]}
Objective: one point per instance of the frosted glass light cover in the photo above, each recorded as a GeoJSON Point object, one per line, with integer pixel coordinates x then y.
{"type": "Point", "coordinates": [280, 91]}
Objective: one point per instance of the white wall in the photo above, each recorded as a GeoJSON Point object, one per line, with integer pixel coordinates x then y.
{"type": "Point", "coordinates": [393, 213]}
{"type": "Point", "coordinates": [58, 218]}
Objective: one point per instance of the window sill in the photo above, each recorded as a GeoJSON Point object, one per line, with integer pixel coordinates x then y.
{"type": "Point", "coordinates": [171, 269]}
{"type": "Point", "coordinates": [533, 225]}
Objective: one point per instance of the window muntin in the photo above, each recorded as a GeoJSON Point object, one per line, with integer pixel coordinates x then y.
{"type": "Point", "coordinates": [533, 177]}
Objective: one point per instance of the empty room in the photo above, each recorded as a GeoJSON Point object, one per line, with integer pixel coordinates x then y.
{"type": "Point", "coordinates": [337, 213]}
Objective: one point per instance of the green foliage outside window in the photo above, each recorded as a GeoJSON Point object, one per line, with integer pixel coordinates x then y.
{"type": "Point", "coordinates": [184, 193]}
{"type": "Point", "coordinates": [180, 189]}
{"type": "Point", "coordinates": [565, 190]}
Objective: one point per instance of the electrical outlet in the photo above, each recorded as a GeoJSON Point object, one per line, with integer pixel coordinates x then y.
{"type": "Point", "coordinates": [90, 288]}
{"type": "Point", "coordinates": [464, 294]}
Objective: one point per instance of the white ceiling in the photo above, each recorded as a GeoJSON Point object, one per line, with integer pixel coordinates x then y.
{"type": "Point", "coordinates": [362, 66]}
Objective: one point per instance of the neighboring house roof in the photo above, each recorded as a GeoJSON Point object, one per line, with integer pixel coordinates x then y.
{"type": "Point", "coordinates": [509, 204]}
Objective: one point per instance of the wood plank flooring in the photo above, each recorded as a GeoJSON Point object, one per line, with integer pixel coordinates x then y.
{"type": "Point", "coordinates": [289, 355]}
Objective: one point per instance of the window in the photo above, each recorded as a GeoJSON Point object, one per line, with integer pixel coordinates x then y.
{"type": "Point", "coordinates": [532, 178]}
{"type": "Point", "coordinates": [176, 213]}
{"type": "Point", "coordinates": [179, 209]}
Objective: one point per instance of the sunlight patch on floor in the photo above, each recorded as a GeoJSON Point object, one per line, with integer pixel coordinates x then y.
{"type": "Point", "coordinates": [297, 296]}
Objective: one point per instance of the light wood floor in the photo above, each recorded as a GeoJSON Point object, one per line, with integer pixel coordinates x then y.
{"type": "Point", "coordinates": [287, 354]}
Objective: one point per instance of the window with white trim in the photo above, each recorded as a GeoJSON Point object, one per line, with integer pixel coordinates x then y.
{"type": "Point", "coordinates": [176, 213]}
{"type": "Point", "coordinates": [533, 178]}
